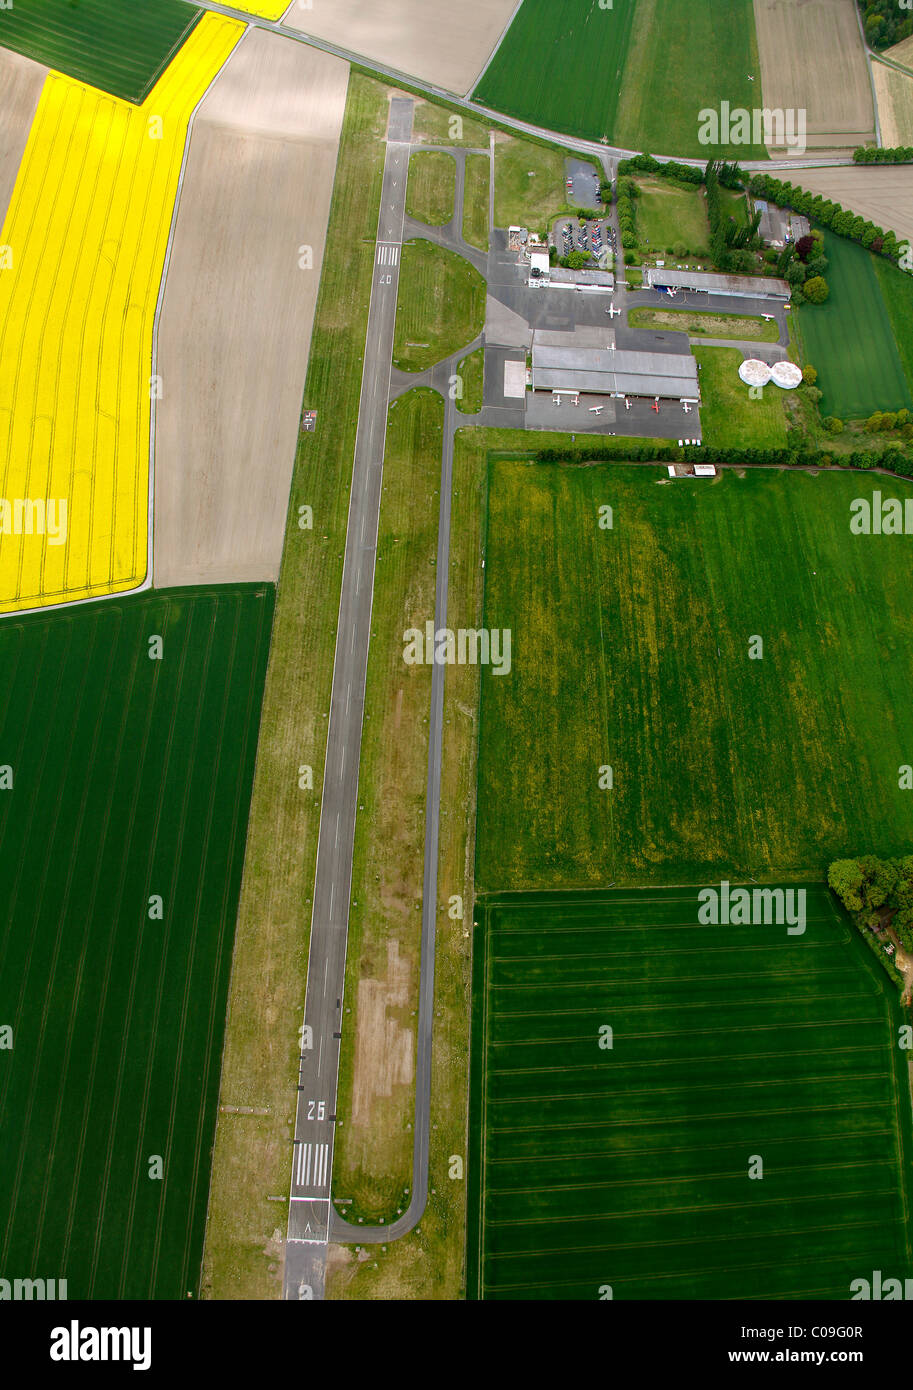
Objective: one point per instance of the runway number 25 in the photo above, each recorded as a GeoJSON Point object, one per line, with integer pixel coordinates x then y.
{"type": "Point", "coordinates": [321, 1108]}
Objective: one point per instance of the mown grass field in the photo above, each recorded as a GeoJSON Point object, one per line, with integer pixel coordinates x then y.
{"type": "Point", "coordinates": [631, 651]}
{"type": "Point", "coordinates": [441, 306]}
{"type": "Point", "coordinates": [850, 339]}
{"type": "Point", "coordinates": [669, 214]}
{"type": "Point", "coordinates": [132, 778]}
{"type": "Point", "coordinates": [432, 185]}
{"type": "Point", "coordinates": [475, 201]}
{"type": "Point", "coordinates": [626, 1169]}
{"type": "Point", "coordinates": [560, 66]}
{"type": "Point", "coordinates": [123, 49]}
{"type": "Point", "coordinates": [693, 322]}
{"type": "Point", "coordinates": [372, 1165]}
{"type": "Point", "coordinates": [637, 73]}
{"type": "Point", "coordinates": [729, 416]}
{"type": "Point", "coordinates": [897, 291]}
{"type": "Point", "coordinates": [76, 322]}
{"type": "Point", "coordinates": [530, 185]}
{"type": "Point", "coordinates": [438, 126]}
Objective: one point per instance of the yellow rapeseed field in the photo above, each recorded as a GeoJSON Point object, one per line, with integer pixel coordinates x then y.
{"type": "Point", "coordinates": [81, 258]}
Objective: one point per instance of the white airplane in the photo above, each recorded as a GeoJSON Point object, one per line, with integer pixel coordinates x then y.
{"type": "Point", "coordinates": [627, 404]}
{"type": "Point", "coordinates": [686, 407]}
{"type": "Point", "coordinates": [767, 317]}
{"type": "Point", "coordinates": [596, 409]}
{"type": "Point", "coordinates": [613, 312]}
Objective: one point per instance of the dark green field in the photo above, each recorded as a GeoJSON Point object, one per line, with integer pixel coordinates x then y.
{"type": "Point", "coordinates": [638, 73]}
{"type": "Point", "coordinates": [120, 47]}
{"type": "Point", "coordinates": [630, 650]}
{"type": "Point", "coordinates": [626, 1169]}
{"type": "Point", "coordinates": [850, 339]}
{"type": "Point", "coordinates": [132, 779]}
{"type": "Point", "coordinates": [560, 66]}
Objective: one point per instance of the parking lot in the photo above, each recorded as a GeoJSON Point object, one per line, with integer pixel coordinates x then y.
{"type": "Point", "coordinates": [593, 238]}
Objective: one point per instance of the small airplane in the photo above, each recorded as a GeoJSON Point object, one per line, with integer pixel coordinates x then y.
{"type": "Point", "coordinates": [613, 312]}
{"type": "Point", "coordinates": [686, 407]}
{"type": "Point", "coordinates": [627, 404]}
{"type": "Point", "coordinates": [767, 317]}
{"type": "Point", "coordinates": [596, 409]}
{"type": "Point", "coordinates": [655, 405]}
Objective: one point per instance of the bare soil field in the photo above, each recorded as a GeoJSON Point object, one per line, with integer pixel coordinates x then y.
{"type": "Point", "coordinates": [433, 39]}
{"type": "Point", "coordinates": [812, 58]}
{"type": "Point", "coordinates": [883, 193]}
{"type": "Point", "coordinates": [238, 310]}
{"type": "Point", "coordinates": [21, 82]}
{"type": "Point", "coordinates": [894, 92]}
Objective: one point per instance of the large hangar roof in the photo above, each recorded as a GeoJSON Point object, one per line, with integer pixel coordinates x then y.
{"type": "Point", "coordinates": [745, 286]}
{"type": "Point", "coordinates": [604, 372]}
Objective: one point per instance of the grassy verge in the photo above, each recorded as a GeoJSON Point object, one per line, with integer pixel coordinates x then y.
{"type": "Point", "coordinates": [441, 306]}
{"type": "Point", "coordinates": [708, 325]}
{"type": "Point", "coordinates": [729, 416]}
{"type": "Point", "coordinates": [529, 184]}
{"type": "Point", "coordinates": [471, 369]}
{"type": "Point", "coordinates": [429, 1262]}
{"type": "Point", "coordinates": [897, 292]}
{"type": "Point", "coordinates": [252, 1159]}
{"type": "Point", "coordinates": [373, 1160]}
{"type": "Point", "coordinates": [432, 187]}
{"type": "Point", "coordinates": [475, 204]}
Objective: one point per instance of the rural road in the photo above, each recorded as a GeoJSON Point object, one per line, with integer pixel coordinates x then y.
{"type": "Point", "coordinates": [592, 148]}
{"type": "Point", "coordinates": [312, 1163]}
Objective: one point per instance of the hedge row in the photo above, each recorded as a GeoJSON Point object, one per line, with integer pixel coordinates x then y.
{"type": "Point", "coordinates": [896, 154]}
{"type": "Point", "coordinates": [893, 460]}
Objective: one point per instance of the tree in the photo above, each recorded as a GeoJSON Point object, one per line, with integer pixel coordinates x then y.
{"type": "Point", "coordinates": [804, 247]}
{"type": "Point", "coordinates": [845, 878]}
{"type": "Point", "coordinates": [576, 260]}
{"type": "Point", "coordinates": [809, 374]}
{"type": "Point", "coordinates": [816, 289]}
{"type": "Point", "coordinates": [833, 424]}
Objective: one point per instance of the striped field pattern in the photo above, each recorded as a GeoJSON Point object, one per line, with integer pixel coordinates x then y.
{"type": "Point", "coordinates": [122, 48]}
{"type": "Point", "coordinates": [86, 235]}
{"type": "Point", "coordinates": [626, 1168]}
{"type": "Point", "coordinates": [131, 780]}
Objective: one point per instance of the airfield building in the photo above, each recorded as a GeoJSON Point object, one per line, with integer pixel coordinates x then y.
{"type": "Point", "coordinates": [736, 286]}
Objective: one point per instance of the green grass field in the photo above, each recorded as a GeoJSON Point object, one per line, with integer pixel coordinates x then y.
{"type": "Point", "coordinates": [639, 73]}
{"type": "Point", "coordinates": [850, 339]}
{"type": "Point", "coordinates": [373, 1158]}
{"type": "Point", "coordinates": [669, 213]}
{"type": "Point", "coordinates": [471, 370]}
{"type": "Point", "coordinates": [897, 291]}
{"type": "Point", "coordinates": [120, 48]}
{"type": "Point", "coordinates": [560, 66]}
{"type": "Point", "coordinates": [697, 324]}
{"type": "Point", "coordinates": [626, 1169]}
{"type": "Point", "coordinates": [630, 650]}
{"type": "Point", "coordinates": [441, 306]}
{"type": "Point", "coordinates": [475, 201]}
{"type": "Point", "coordinates": [729, 416]}
{"type": "Point", "coordinates": [132, 778]}
{"type": "Point", "coordinates": [529, 184]}
{"type": "Point", "coordinates": [432, 184]}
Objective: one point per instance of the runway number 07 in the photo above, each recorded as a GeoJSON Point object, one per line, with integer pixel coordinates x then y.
{"type": "Point", "coordinates": [321, 1108]}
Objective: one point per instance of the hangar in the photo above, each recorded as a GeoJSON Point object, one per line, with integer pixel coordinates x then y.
{"type": "Point", "coordinates": [738, 286]}
{"type": "Point", "coordinates": [609, 371]}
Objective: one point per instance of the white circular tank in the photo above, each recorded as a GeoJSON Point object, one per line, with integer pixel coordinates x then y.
{"type": "Point", "coordinates": [786, 374]}
{"type": "Point", "coordinates": [754, 372]}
